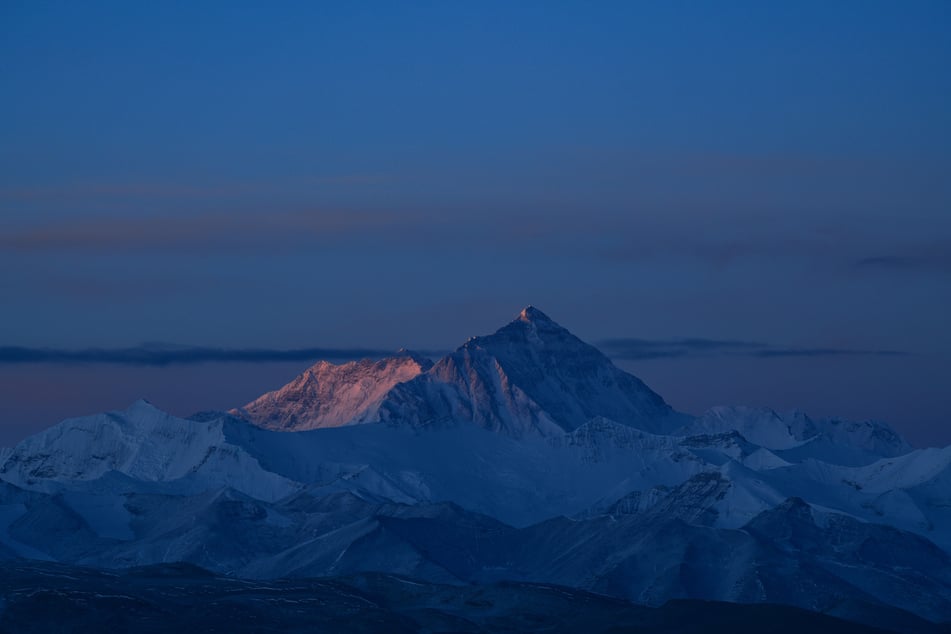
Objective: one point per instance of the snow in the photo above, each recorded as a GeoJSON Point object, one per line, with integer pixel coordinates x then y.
{"type": "Point", "coordinates": [328, 395]}
{"type": "Point", "coordinates": [9, 513]}
{"type": "Point", "coordinates": [904, 472]}
{"type": "Point", "coordinates": [144, 444]}
{"type": "Point", "coordinates": [105, 514]}
{"type": "Point", "coordinates": [506, 437]}
{"type": "Point", "coordinates": [763, 427]}
{"type": "Point", "coordinates": [795, 437]}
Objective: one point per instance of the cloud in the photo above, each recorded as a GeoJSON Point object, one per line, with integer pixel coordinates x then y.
{"type": "Point", "coordinates": [936, 262]}
{"type": "Point", "coordinates": [204, 231]}
{"type": "Point", "coordinates": [825, 352]}
{"type": "Point", "coordinates": [630, 348]}
{"type": "Point", "coordinates": [161, 355]}
{"type": "Point", "coordinates": [623, 348]}
{"type": "Point", "coordinates": [100, 193]}
{"type": "Point", "coordinates": [641, 349]}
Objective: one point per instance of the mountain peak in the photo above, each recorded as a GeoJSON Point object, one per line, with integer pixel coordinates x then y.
{"type": "Point", "coordinates": [142, 405]}
{"type": "Point", "coordinates": [531, 374]}
{"type": "Point", "coordinates": [405, 353]}
{"type": "Point", "coordinates": [330, 395]}
{"type": "Point", "coordinates": [534, 374]}
{"type": "Point", "coordinates": [533, 315]}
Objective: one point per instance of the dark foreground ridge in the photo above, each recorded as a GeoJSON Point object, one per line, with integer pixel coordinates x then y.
{"type": "Point", "coordinates": [41, 597]}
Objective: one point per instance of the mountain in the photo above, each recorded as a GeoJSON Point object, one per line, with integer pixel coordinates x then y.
{"type": "Point", "coordinates": [328, 395]}
{"type": "Point", "coordinates": [796, 436]}
{"type": "Point", "coordinates": [139, 444]}
{"type": "Point", "coordinates": [530, 377]}
{"type": "Point", "coordinates": [523, 456]}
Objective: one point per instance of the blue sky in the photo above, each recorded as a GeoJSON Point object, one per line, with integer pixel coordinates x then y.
{"type": "Point", "coordinates": [378, 175]}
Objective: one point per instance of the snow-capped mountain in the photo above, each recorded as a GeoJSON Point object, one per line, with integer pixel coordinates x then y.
{"type": "Point", "coordinates": [328, 395]}
{"type": "Point", "coordinates": [139, 444]}
{"type": "Point", "coordinates": [798, 436]}
{"type": "Point", "coordinates": [530, 377]}
{"type": "Point", "coordinates": [523, 455]}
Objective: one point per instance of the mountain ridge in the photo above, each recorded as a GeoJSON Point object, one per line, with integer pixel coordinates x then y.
{"type": "Point", "coordinates": [512, 381]}
{"type": "Point", "coordinates": [524, 455]}
{"type": "Point", "coordinates": [330, 395]}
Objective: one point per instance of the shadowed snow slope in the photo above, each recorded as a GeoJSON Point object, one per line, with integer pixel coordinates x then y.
{"type": "Point", "coordinates": [531, 376]}
{"type": "Point", "coordinates": [799, 436]}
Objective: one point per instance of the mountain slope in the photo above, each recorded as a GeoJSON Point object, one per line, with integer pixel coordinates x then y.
{"type": "Point", "coordinates": [797, 437]}
{"type": "Point", "coordinates": [530, 376]}
{"type": "Point", "coordinates": [522, 456]}
{"type": "Point", "coordinates": [139, 444]}
{"type": "Point", "coordinates": [328, 395]}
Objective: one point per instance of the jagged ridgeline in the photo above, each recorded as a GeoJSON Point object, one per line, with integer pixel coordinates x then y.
{"type": "Point", "coordinates": [522, 456]}
{"type": "Point", "coordinates": [530, 377]}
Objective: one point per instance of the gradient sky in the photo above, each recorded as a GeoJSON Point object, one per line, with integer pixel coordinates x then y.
{"type": "Point", "coordinates": [742, 202]}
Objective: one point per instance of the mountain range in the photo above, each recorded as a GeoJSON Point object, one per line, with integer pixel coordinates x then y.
{"type": "Point", "coordinates": [523, 456]}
